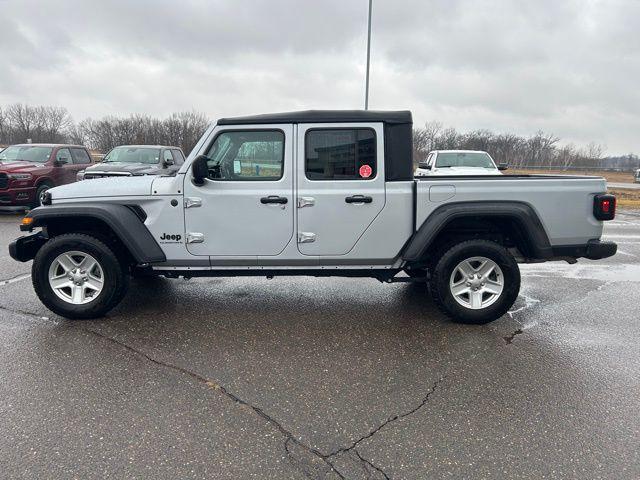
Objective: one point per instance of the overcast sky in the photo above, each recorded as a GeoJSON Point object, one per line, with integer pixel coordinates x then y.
{"type": "Point", "coordinates": [570, 67]}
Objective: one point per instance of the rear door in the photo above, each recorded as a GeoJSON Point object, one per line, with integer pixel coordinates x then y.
{"type": "Point", "coordinates": [341, 186]}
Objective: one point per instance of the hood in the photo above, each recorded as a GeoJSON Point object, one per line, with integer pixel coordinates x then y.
{"type": "Point", "coordinates": [466, 171]}
{"type": "Point", "coordinates": [18, 166]}
{"type": "Point", "coordinates": [104, 187]}
{"type": "Point", "coordinates": [133, 168]}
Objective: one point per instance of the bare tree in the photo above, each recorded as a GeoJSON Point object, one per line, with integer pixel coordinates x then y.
{"type": "Point", "coordinates": [4, 127]}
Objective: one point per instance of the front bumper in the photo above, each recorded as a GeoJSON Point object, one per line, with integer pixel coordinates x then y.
{"type": "Point", "coordinates": [17, 196]}
{"type": "Point", "coordinates": [24, 249]}
{"type": "Point", "coordinates": [593, 250]}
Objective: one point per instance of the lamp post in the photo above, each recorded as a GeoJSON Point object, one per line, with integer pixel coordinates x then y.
{"type": "Point", "coordinates": [366, 93]}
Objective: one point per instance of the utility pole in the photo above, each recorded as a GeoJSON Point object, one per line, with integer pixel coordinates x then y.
{"type": "Point", "coordinates": [366, 93]}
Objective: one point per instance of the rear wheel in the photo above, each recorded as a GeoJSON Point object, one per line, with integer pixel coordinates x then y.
{"type": "Point", "coordinates": [475, 281]}
{"type": "Point", "coordinates": [78, 276]}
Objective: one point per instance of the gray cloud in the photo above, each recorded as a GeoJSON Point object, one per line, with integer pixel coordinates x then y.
{"type": "Point", "coordinates": [566, 66]}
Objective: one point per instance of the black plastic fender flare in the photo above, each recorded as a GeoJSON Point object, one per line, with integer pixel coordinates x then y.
{"type": "Point", "coordinates": [121, 219]}
{"type": "Point", "coordinates": [522, 213]}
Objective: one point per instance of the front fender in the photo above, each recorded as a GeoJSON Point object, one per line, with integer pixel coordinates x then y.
{"type": "Point", "coordinates": [120, 219]}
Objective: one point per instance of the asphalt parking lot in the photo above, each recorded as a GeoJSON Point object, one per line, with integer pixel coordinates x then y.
{"type": "Point", "coordinates": [326, 379]}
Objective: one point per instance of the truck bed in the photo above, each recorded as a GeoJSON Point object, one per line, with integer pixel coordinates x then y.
{"type": "Point", "coordinates": [564, 203]}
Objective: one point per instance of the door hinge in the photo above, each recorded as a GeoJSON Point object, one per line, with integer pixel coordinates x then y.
{"type": "Point", "coordinates": [195, 237]}
{"type": "Point", "coordinates": [192, 202]}
{"type": "Point", "coordinates": [306, 237]}
{"type": "Point", "coordinates": [306, 202]}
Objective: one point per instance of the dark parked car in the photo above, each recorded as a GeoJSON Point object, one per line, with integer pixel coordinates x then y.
{"type": "Point", "coordinates": [128, 160]}
{"type": "Point", "coordinates": [29, 170]}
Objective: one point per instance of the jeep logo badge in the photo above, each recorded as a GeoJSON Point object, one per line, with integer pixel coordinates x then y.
{"type": "Point", "coordinates": [171, 238]}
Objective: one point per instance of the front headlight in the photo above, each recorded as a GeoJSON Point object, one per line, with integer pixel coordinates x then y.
{"type": "Point", "coordinates": [80, 175]}
{"type": "Point", "coordinates": [20, 176]}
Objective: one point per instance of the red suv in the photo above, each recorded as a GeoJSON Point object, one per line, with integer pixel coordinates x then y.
{"type": "Point", "coordinates": [29, 170]}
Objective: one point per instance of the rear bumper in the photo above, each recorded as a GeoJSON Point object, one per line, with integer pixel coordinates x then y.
{"type": "Point", "coordinates": [593, 250]}
{"type": "Point", "coordinates": [17, 196]}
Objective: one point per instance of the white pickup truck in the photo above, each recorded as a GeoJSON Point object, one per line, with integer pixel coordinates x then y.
{"type": "Point", "coordinates": [458, 162]}
{"type": "Point", "coordinates": [320, 193]}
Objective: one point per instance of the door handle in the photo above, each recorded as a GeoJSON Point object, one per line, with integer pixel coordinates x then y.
{"type": "Point", "coordinates": [358, 199]}
{"type": "Point", "coordinates": [273, 199]}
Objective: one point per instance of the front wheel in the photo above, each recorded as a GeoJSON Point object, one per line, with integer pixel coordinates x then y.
{"type": "Point", "coordinates": [40, 195]}
{"type": "Point", "coordinates": [78, 276]}
{"type": "Point", "coordinates": [475, 281]}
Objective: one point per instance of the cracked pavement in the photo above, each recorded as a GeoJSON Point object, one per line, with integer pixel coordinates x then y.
{"type": "Point", "coordinates": [326, 379]}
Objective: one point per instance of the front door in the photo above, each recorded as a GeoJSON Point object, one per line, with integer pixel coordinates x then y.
{"type": "Point", "coordinates": [66, 171]}
{"type": "Point", "coordinates": [245, 207]}
{"type": "Point", "coordinates": [341, 187]}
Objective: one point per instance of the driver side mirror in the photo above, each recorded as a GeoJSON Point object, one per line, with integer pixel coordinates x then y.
{"type": "Point", "coordinates": [168, 162]}
{"type": "Point", "coordinates": [199, 169]}
{"type": "Point", "coordinates": [503, 166]}
{"type": "Point", "coordinates": [424, 166]}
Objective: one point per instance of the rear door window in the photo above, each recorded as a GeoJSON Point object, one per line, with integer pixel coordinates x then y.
{"type": "Point", "coordinates": [340, 154]}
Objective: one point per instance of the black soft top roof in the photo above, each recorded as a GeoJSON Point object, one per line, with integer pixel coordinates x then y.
{"type": "Point", "coordinates": [323, 116]}
{"type": "Point", "coordinates": [398, 127]}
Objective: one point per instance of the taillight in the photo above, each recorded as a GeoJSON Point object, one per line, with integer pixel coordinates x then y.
{"type": "Point", "coordinates": [604, 207]}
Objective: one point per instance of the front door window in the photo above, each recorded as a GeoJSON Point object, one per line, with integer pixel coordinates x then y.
{"type": "Point", "coordinates": [247, 155]}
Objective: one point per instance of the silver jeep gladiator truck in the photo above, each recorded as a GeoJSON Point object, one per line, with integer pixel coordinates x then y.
{"type": "Point", "coordinates": [320, 193]}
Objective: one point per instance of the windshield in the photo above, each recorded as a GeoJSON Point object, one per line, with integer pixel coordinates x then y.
{"type": "Point", "coordinates": [133, 155]}
{"type": "Point", "coordinates": [464, 159]}
{"type": "Point", "coordinates": [26, 153]}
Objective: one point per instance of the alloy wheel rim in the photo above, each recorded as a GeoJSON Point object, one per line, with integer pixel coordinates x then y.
{"type": "Point", "coordinates": [476, 283]}
{"type": "Point", "coordinates": [42, 196]}
{"type": "Point", "coordinates": [76, 277]}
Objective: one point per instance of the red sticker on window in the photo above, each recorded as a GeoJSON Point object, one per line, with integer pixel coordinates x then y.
{"type": "Point", "coordinates": [365, 171]}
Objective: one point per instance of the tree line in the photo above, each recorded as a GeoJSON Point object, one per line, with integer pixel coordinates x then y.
{"type": "Point", "coordinates": [49, 124]}
{"type": "Point", "coordinates": [42, 124]}
{"type": "Point", "coordinates": [538, 150]}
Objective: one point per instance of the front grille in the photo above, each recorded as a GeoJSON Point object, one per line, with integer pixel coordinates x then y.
{"type": "Point", "coordinates": [4, 180]}
{"type": "Point", "coordinates": [90, 175]}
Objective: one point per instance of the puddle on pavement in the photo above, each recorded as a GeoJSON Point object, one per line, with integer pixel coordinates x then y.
{"type": "Point", "coordinates": [605, 273]}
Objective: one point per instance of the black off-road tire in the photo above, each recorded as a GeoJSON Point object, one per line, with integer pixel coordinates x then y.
{"type": "Point", "coordinates": [441, 276]}
{"type": "Point", "coordinates": [116, 278]}
{"type": "Point", "coordinates": [418, 273]}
